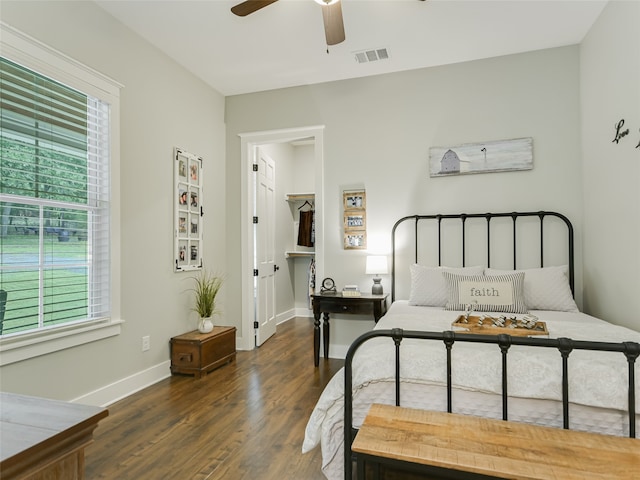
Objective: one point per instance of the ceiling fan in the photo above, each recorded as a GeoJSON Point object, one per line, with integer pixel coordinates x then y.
{"type": "Point", "coordinates": [331, 12]}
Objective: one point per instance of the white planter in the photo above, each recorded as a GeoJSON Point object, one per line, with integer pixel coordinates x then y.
{"type": "Point", "coordinates": [205, 325]}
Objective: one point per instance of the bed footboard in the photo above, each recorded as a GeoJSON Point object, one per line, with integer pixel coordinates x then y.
{"type": "Point", "coordinates": [631, 350]}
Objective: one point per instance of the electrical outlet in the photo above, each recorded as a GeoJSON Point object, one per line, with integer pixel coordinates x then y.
{"type": "Point", "coordinates": [146, 343]}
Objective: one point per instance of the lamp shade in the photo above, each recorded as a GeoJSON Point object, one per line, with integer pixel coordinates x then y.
{"type": "Point", "coordinates": [376, 265]}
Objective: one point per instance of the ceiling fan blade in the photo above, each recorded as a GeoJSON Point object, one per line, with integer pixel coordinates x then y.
{"type": "Point", "coordinates": [333, 25]}
{"type": "Point", "coordinates": [245, 8]}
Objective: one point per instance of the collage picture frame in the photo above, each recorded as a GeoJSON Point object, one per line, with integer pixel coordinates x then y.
{"type": "Point", "coordinates": [188, 211]}
{"type": "Point", "coordinates": [355, 219]}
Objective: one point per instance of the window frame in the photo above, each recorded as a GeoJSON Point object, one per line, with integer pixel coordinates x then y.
{"type": "Point", "coordinates": [33, 54]}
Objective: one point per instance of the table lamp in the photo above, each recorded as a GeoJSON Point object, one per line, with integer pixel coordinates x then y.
{"type": "Point", "coordinates": [376, 265]}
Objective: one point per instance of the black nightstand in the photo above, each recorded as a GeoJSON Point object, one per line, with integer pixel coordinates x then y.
{"type": "Point", "coordinates": [336, 303]}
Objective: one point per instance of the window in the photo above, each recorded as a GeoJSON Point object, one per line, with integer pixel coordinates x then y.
{"type": "Point", "coordinates": [54, 204]}
{"type": "Point", "coordinates": [55, 194]}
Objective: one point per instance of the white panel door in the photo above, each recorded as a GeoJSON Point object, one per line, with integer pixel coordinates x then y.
{"type": "Point", "coordinates": [265, 248]}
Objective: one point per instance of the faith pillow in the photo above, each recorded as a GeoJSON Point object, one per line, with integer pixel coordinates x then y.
{"type": "Point", "coordinates": [500, 293]}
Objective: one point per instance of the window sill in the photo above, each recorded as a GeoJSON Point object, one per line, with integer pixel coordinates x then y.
{"type": "Point", "coordinates": [23, 347]}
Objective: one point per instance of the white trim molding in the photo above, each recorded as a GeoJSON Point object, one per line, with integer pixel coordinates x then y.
{"type": "Point", "coordinates": [105, 396]}
{"type": "Point", "coordinates": [22, 347]}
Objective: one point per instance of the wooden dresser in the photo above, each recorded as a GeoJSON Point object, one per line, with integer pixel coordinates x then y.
{"type": "Point", "coordinates": [196, 353]}
{"type": "Point", "coordinates": [44, 439]}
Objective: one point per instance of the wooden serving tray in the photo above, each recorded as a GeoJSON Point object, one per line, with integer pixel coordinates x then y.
{"type": "Point", "coordinates": [487, 328]}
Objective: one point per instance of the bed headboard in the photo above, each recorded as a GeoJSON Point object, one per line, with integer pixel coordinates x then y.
{"type": "Point", "coordinates": [498, 240]}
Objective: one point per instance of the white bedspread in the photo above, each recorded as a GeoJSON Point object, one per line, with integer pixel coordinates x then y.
{"type": "Point", "coordinates": [596, 379]}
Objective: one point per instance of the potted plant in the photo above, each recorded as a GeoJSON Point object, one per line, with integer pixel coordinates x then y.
{"type": "Point", "coordinates": [205, 292]}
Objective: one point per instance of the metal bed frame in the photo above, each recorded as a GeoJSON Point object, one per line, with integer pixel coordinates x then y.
{"type": "Point", "coordinates": [463, 217]}
{"type": "Point", "coordinates": [565, 346]}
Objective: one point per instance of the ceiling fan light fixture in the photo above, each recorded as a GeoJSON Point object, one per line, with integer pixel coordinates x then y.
{"type": "Point", "coordinates": [331, 15]}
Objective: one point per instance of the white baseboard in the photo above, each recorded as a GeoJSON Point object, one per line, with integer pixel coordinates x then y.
{"type": "Point", "coordinates": [292, 313]}
{"type": "Point", "coordinates": [338, 351]}
{"type": "Point", "coordinates": [304, 312]}
{"type": "Point", "coordinates": [124, 387]}
{"type": "Point", "coordinates": [284, 316]}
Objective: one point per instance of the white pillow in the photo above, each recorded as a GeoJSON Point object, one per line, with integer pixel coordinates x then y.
{"type": "Point", "coordinates": [545, 288]}
{"type": "Point", "coordinates": [499, 293]}
{"type": "Point", "coordinates": [428, 287]}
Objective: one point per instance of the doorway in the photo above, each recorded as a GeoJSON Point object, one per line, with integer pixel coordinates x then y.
{"type": "Point", "coordinates": [250, 143]}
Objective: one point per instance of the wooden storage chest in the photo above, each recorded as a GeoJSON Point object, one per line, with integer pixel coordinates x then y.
{"type": "Point", "coordinates": [196, 353]}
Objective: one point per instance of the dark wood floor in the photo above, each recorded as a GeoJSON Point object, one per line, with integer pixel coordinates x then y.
{"type": "Point", "coordinates": [244, 420]}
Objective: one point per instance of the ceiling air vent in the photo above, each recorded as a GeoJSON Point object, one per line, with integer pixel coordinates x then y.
{"type": "Point", "coordinates": [371, 55]}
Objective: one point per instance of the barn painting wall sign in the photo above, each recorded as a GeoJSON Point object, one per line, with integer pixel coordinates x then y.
{"type": "Point", "coordinates": [487, 157]}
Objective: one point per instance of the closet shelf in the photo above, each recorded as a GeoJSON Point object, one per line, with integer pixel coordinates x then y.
{"type": "Point", "coordinates": [298, 254]}
{"type": "Point", "coordinates": [299, 197]}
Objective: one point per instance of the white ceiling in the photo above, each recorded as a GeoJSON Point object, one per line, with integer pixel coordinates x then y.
{"type": "Point", "coordinates": [283, 44]}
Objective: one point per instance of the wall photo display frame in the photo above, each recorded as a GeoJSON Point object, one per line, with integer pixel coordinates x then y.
{"type": "Point", "coordinates": [188, 211]}
{"type": "Point", "coordinates": [355, 219]}
{"type": "Point", "coordinates": [355, 240]}
{"type": "Point", "coordinates": [354, 200]}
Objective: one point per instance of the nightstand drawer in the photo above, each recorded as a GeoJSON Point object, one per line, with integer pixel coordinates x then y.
{"type": "Point", "coordinates": [352, 308]}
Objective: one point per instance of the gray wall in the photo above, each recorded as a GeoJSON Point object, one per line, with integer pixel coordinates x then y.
{"type": "Point", "coordinates": [378, 133]}
{"type": "Point", "coordinates": [610, 90]}
{"type": "Point", "coordinates": [162, 106]}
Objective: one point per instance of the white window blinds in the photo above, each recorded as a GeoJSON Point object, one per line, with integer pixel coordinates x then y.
{"type": "Point", "coordinates": [54, 203]}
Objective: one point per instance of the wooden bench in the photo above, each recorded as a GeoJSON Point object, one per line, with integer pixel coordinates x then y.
{"type": "Point", "coordinates": [446, 445]}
